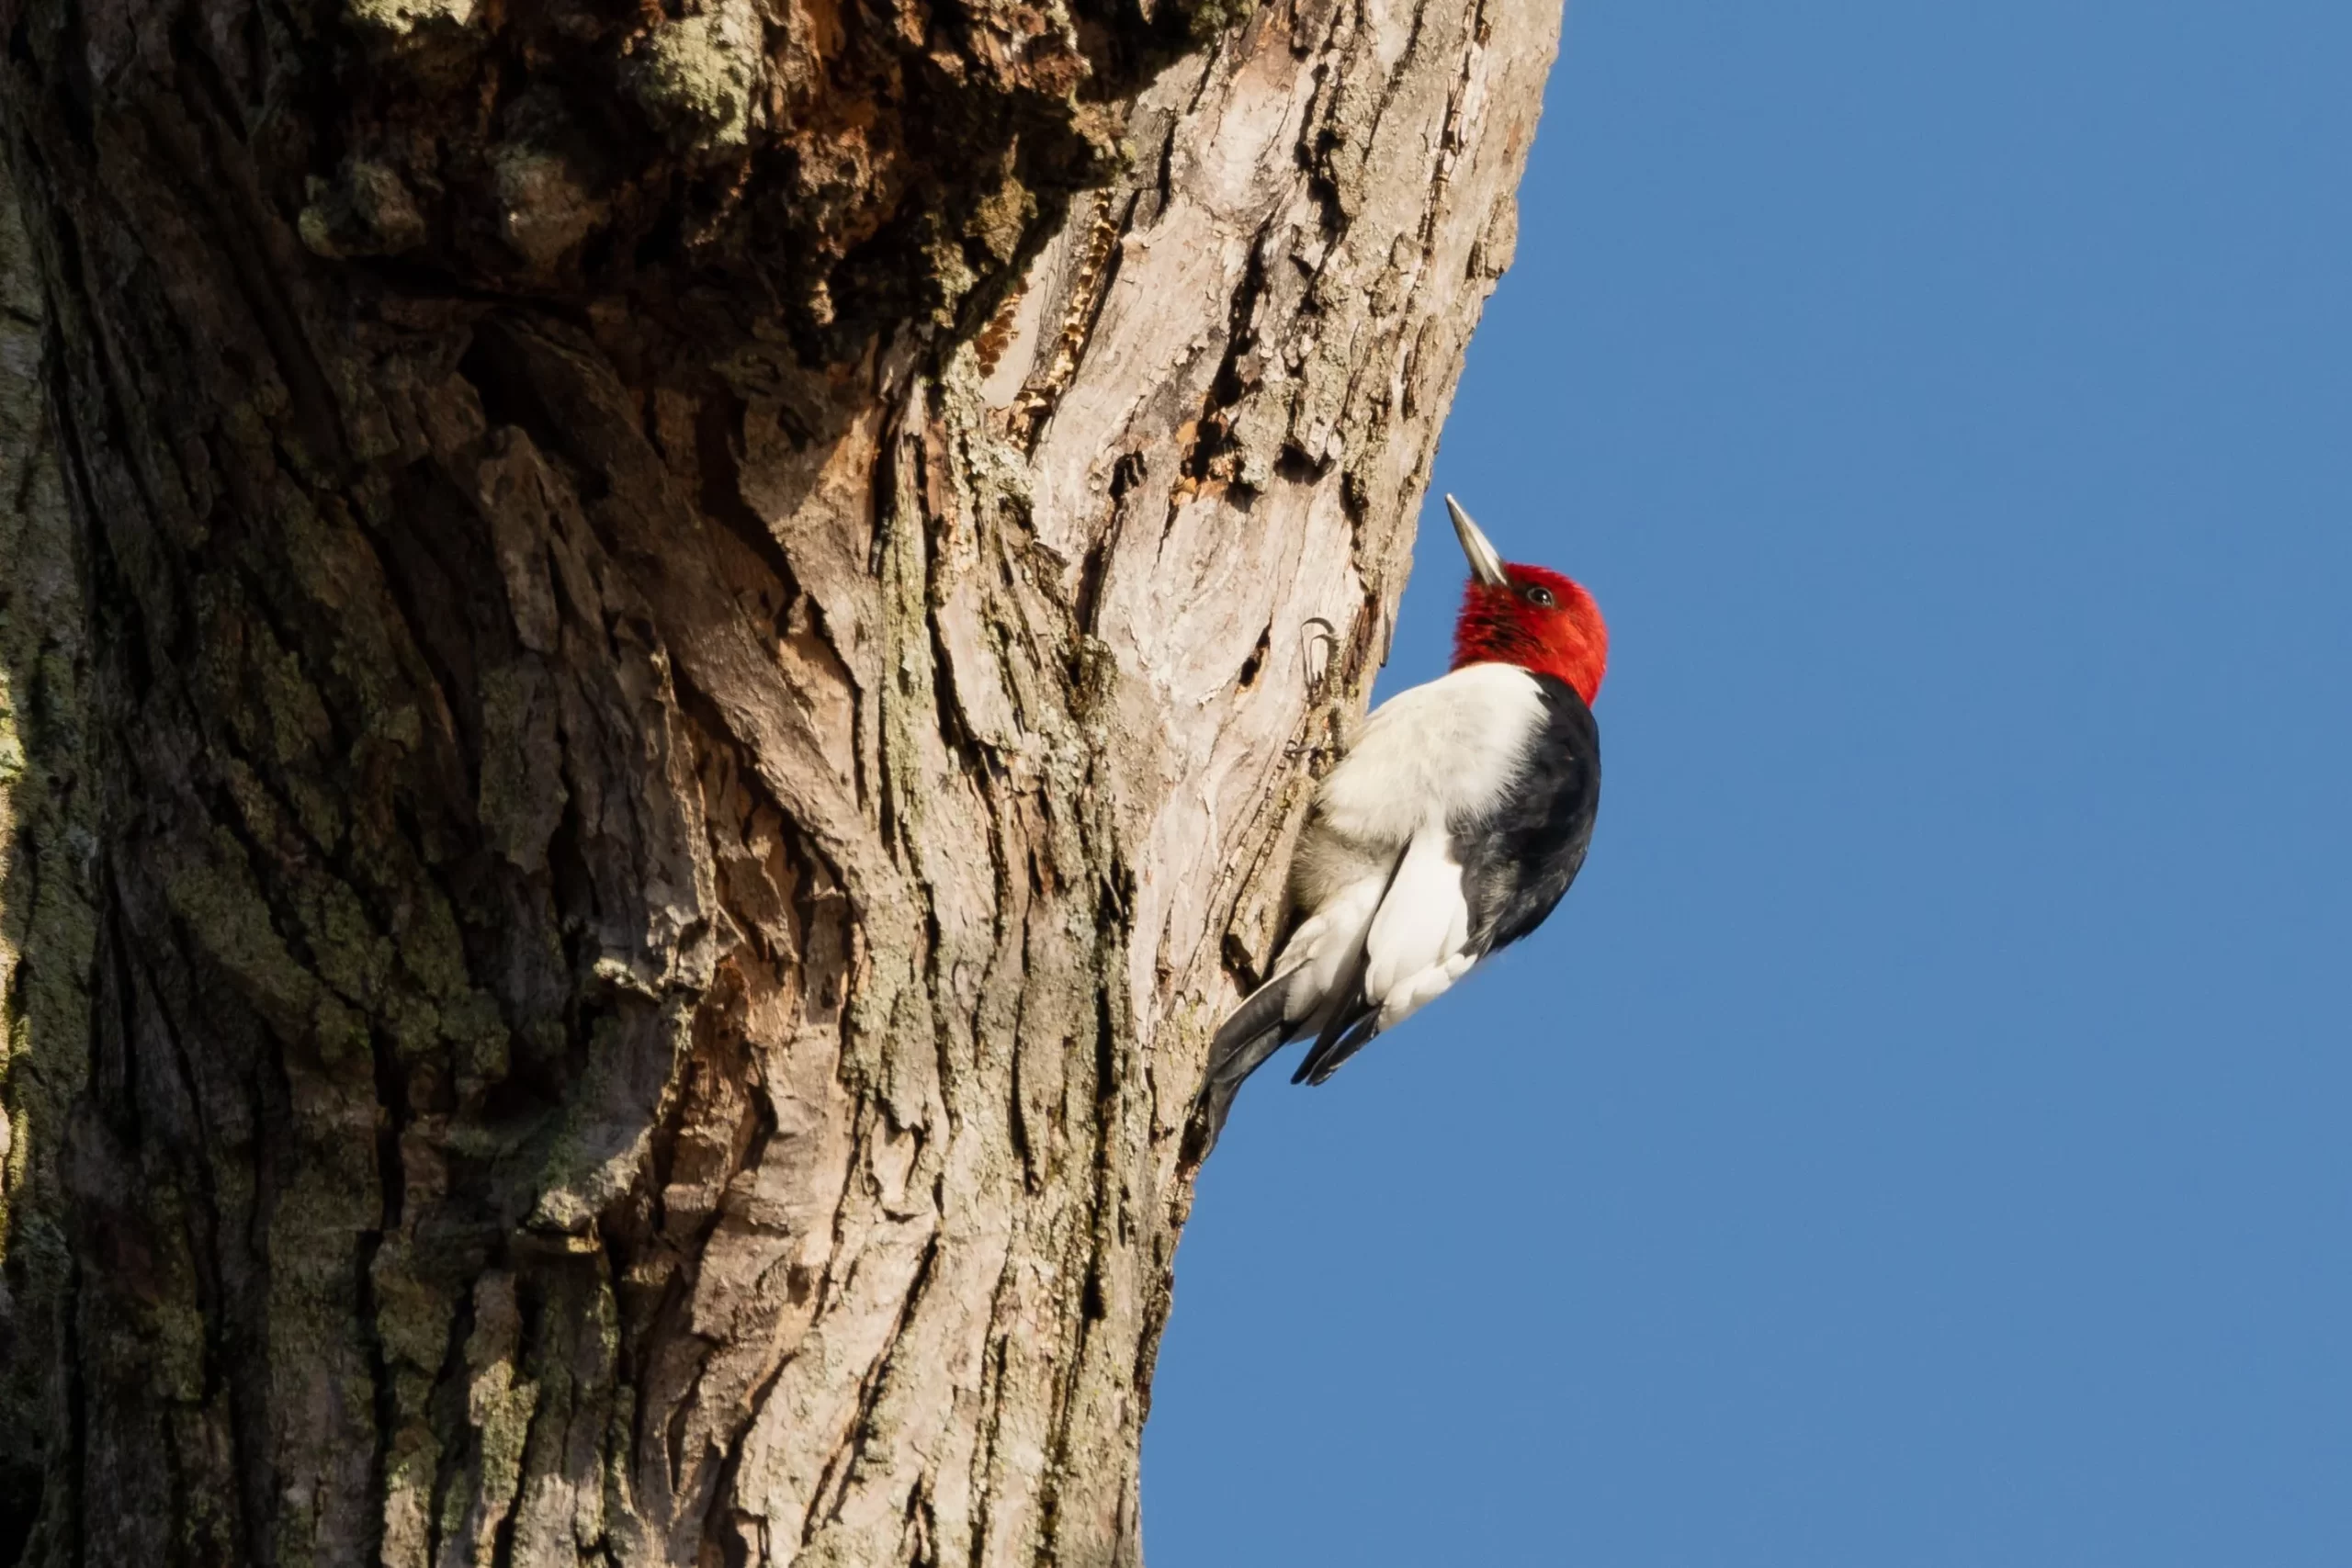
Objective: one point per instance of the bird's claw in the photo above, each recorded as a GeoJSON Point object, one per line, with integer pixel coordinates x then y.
{"type": "Point", "coordinates": [1322, 636]}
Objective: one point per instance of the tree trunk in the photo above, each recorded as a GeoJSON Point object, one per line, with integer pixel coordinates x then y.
{"type": "Point", "coordinates": [697, 639]}
{"type": "Point", "coordinates": [46, 843]}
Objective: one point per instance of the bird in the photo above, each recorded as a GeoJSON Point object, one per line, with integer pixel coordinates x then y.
{"type": "Point", "coordinates": [1450, 827]}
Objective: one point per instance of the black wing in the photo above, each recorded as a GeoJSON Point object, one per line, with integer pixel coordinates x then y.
{"type": "Point", "coordinates": [1520, 859]}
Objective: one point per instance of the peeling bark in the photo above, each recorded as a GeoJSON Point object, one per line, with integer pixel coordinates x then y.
{"type": "Point", "coordinates": [695, 636]}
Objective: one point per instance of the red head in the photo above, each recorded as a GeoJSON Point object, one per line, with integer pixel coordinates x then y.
{"type": "Point", "coordinates": [1526, 615]}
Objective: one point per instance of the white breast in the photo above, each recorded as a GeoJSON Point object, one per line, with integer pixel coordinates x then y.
{"type": "Point", "coordinates": [1446, 750]}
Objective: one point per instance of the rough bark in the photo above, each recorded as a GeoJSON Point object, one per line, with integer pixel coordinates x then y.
{"type": "Point", "coordinates": [46, 858]}
{"type": "Point", "coordinates": [698, 637]}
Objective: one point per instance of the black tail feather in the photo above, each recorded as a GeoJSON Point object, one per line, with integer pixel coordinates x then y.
{"type": "Point", "coordinates": [1240, 1046]}
{"type": "Point", "coordinates": [1255, 1032]}
{"type": "Point", "coordinates": [1216, 1094]}
{"type": "Point", "coordinates": [1334, 1048]}
{"type": "Point", "coordinates": [1349, 1008]}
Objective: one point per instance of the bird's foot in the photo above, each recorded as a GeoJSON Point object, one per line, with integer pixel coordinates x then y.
{"type": "Point", "coordinates": [1322, 642]}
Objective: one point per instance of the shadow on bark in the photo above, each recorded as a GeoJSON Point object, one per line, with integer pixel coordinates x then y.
{"type": "Point", "coordinates": [47, 856]}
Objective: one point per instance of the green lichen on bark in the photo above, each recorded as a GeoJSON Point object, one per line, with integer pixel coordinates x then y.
{"type": "Point", "coordinates": [697, 77]}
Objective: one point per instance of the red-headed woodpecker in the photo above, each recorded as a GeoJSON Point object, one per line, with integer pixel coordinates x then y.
{"type": "Point", "coordinates": [1449, 831]}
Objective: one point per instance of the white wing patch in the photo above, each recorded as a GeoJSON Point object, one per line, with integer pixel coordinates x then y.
{"type": "Point", "coordinates": [1413, 953]}
{"type": "Point", "coordinates": [1423, 922]}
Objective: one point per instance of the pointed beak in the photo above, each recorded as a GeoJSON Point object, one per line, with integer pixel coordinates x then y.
{"type": "Point", "coordinates": [1485, 564]}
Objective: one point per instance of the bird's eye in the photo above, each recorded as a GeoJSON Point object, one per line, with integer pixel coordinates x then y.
{"type": "Point", "coordinates": [1540, 597]}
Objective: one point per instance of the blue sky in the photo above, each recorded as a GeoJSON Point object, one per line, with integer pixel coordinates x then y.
{"type": "Point", "coordinates": [1924, 1137]}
